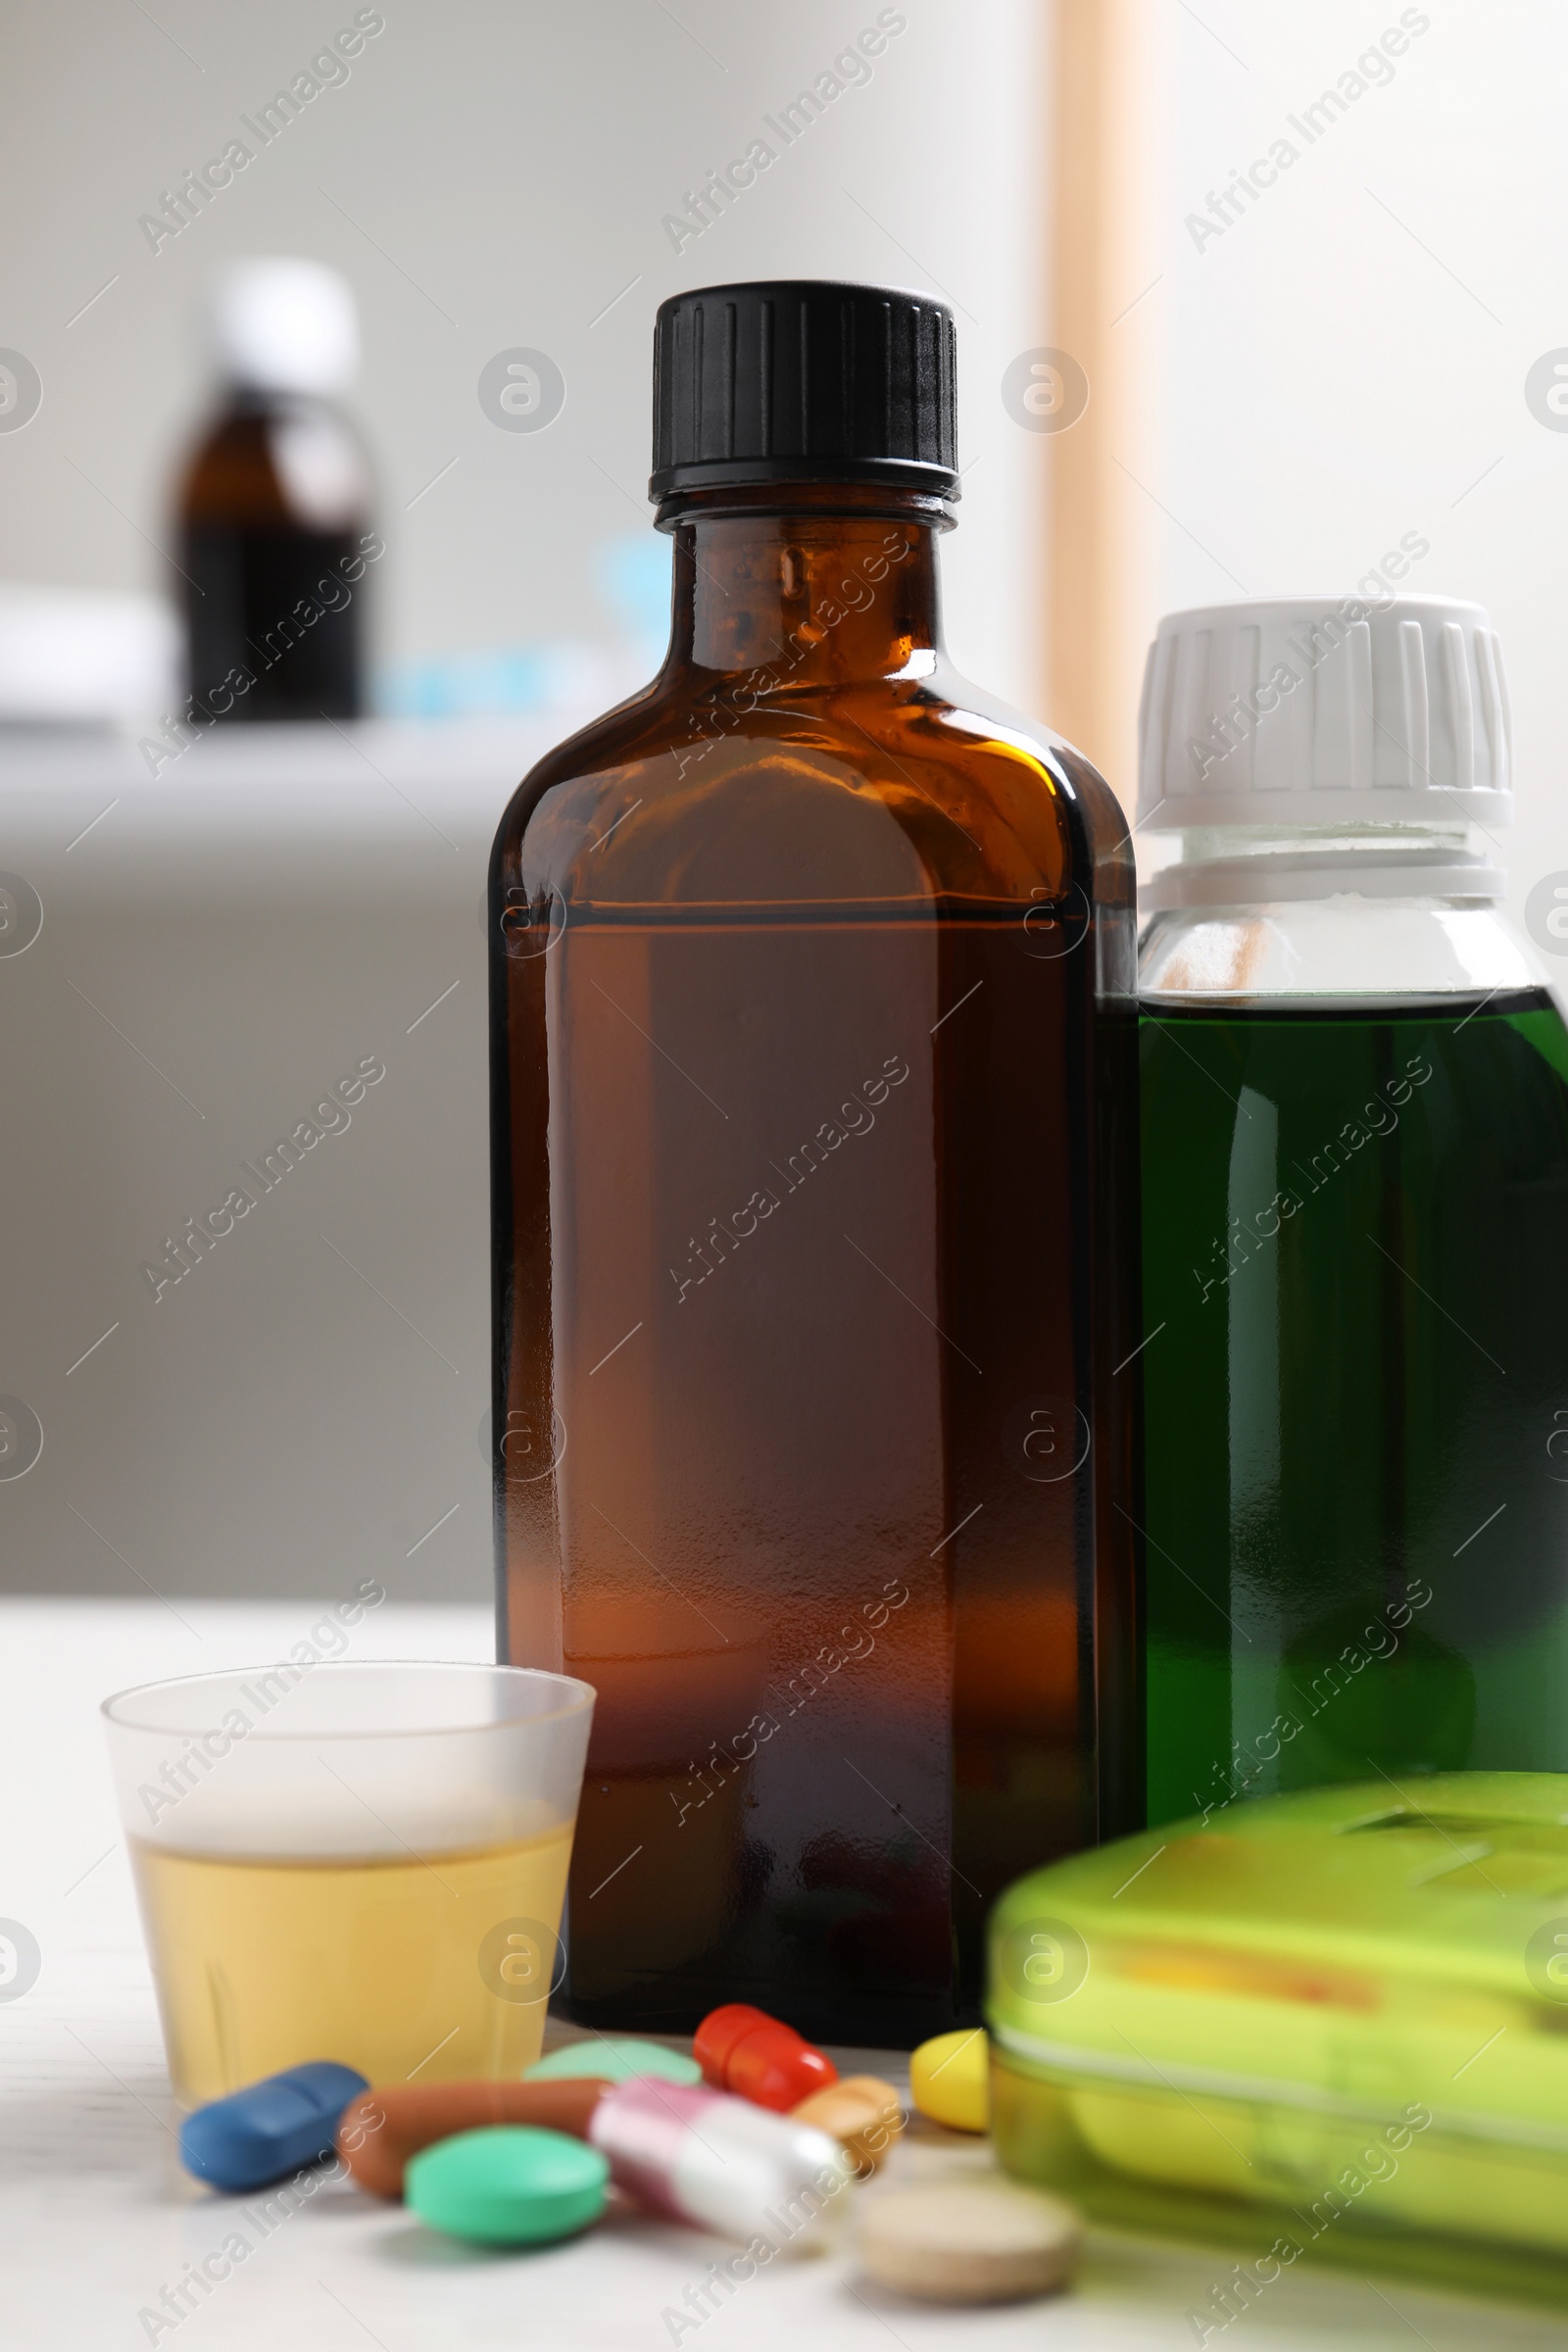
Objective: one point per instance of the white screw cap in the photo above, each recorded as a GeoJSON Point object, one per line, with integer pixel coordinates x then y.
{"type": "Point", "coordinates": [285, 326]}
{"type": "Point", "coordinates": [1325, 710]}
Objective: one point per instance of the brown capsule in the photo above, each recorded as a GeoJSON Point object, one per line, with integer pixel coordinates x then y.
{"type": "Point", "coordinates": [862, 2112]}
{"type": "Point", "coordinates": [387, 2125]}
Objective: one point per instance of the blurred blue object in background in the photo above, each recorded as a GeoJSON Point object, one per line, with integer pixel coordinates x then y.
{"type": "Point", "coordinates": [631, 574]}
{"type": "Point", "coordinates": [631, 577]}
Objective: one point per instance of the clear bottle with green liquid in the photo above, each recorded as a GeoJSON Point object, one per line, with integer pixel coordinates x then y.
{"type": "Point", "coordinates": [1355, 1216]}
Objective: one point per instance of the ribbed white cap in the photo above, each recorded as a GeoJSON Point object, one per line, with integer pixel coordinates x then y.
{"type": "Point", "coordinates": [1325, 712]}
{"type": "Point", "coordinates": [285, 326]}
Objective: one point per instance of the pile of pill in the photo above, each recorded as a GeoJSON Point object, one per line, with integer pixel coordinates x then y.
{"type": "Point", "coordinates": [753, 2136]}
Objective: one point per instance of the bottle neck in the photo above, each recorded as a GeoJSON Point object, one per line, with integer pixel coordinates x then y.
{"type": "Point", "coordinates": [810, 584]}
{"type": "Point", "coordinates": [1429, 855]}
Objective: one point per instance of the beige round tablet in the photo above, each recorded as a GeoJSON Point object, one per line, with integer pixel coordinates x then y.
{"type": "Point", "coordinates": [963, 2240]}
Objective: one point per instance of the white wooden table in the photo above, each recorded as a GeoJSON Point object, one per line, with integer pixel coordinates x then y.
{"type": "Point", "coordinates": [96, 2218]}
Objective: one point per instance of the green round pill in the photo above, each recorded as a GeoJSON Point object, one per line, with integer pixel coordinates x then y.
{"type": "Point", "coordinates": [617, 2059]}
{"type": "Point", "coordinates": [508, 2185]}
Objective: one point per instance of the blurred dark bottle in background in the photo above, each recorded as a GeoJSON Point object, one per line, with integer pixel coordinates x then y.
{"type": "Point", "coordinates": [273, 507]}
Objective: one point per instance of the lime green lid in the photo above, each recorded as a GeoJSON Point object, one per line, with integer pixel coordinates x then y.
{"type": "Point", "coordinates": [1332, 1948]}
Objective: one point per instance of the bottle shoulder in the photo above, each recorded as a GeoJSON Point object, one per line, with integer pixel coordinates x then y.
{"type": "Point", "coordinates": [1353, 945]}
{"type": "Point", "coordinates": [285, 465]}
{"type": "Point", "coordinates": [881, 789]}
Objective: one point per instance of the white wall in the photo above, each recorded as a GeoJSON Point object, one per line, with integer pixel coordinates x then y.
{"type": "Point", "coordinates": [1347, 362]}
{"type": "Point", "coordinates": [493, 175]}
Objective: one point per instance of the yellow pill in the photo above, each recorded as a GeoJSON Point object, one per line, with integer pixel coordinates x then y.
{"type": "Point", "coordinates": [950, 2079]}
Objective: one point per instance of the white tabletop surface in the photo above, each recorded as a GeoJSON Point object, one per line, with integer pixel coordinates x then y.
{"type": "Point", "coordinates": [96, 2218]}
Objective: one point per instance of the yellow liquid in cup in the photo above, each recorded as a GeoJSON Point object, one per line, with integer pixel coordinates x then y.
{"type": "Point", "coordinates": [431, 1970]}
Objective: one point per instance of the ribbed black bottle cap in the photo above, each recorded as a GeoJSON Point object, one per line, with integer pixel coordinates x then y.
{"type": "Point", "coordinates": [802, 379]}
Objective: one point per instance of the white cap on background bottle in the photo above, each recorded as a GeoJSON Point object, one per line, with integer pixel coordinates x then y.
{"type": "Point", "coordinates": [285, 326]}
{"type": "Point", "coordinates": [1313, 710]}
{"type": "Point", "coordinates": [1326, 715]}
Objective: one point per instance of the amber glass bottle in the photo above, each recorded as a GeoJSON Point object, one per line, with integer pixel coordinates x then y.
{"type": "Point", "coordinates": [274, 508]}
{"type": "Point", "coordinates": [815, 1254]}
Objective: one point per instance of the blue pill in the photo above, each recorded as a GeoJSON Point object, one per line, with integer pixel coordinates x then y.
{"type": "Point", "coordinates": [269, 2129]}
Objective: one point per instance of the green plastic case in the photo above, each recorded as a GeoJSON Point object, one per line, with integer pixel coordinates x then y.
{"type": "Point", "coordinates": [1348, 2006]}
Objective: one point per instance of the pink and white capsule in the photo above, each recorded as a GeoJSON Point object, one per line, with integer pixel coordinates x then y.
{"type": "Point", "coordinates": [698, 2155]}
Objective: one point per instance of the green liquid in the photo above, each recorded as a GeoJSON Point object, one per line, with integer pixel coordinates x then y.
{"type": "Point", "coordinates": [1355, 1239]}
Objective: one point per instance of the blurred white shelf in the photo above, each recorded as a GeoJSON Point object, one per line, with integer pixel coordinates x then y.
{"type": "Point", "coordinates": [365, 781]}
{"type": "Point", "coordinates": [221, 943]}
